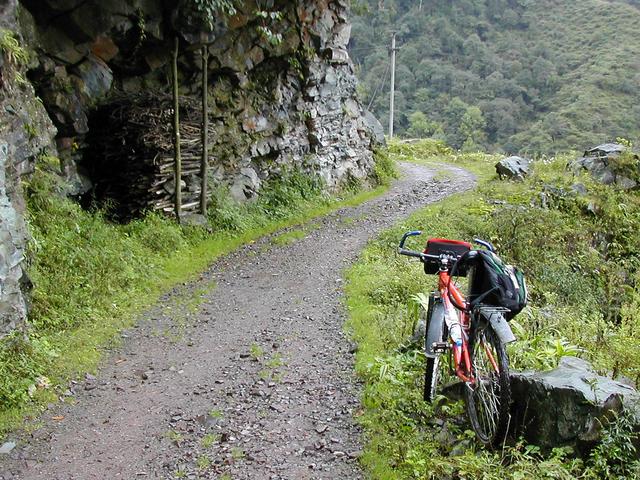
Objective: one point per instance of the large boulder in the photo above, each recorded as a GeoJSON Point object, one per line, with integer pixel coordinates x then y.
{"type": "Point", "coordinates": [606, 164]}
{"type": "Point", "coordinates": [568, 405]}
{"type": "Point", "coordinates": [513, 167]}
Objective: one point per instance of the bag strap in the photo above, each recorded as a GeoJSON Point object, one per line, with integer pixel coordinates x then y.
{"type": "Point", "coordinates": [464, 258]}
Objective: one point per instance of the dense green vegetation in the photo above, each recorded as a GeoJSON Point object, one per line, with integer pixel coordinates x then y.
{"type": "Point", "coordinates": [92, 276]}
{"type": "Point", "coordinates": [504, 75]}
{"type": "Point", "coordinates": [579, 252]}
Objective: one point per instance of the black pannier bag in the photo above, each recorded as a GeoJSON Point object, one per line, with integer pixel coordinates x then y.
{"type": "Point", "coordinates": [494, 283]}
{"type": "Point", "coordinates": [438, 246]}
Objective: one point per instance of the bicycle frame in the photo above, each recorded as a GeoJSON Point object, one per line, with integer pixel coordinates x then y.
{"type": "Point", "coordinates": [448, 290]}
{"type": "Point", "coordinates": [461, 359]}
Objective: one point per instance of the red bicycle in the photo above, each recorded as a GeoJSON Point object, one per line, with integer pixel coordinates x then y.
{"type": "Point", "coordinates": [471, 334]}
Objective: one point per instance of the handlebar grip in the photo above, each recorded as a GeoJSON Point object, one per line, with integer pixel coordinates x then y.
{"type": "Point", "coordinates": [407, 235]}
{"type": "Point", "coordinates": [410, 253]}
{"type": "Point", "coordinates": [485, 244]}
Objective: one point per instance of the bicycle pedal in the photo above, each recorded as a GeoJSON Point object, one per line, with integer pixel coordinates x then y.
{"type": "Point", "coordinates": [440, 347]}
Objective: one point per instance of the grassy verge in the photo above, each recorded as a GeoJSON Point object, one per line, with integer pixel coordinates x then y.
{"type": "Point", "coordinates": [92, 277]}
{"type": "Point", "coordinates": [577, 248]}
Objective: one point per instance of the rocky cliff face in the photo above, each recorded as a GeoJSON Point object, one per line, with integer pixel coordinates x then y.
{"type": "Point", "coordinates": [282, 94]}
{"type": "Point", "coordinates": [282, 87]}
{"type": "Point", "coordinates": [25, 132]}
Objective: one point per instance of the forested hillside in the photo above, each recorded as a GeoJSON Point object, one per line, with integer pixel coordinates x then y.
{"type": "Point", "coordinates": [507, 75]}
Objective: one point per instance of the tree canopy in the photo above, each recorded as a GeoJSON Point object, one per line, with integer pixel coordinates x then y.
{"type": "Point", "coordinates": [505, 75]}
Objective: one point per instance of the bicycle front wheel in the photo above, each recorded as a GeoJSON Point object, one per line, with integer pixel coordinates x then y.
{"type": "Point", "coordinates": [489, 397]}
{"type": "Point", "coordinates": [435, 332]}
{"type": "Point", "coordinates": [431, 375]}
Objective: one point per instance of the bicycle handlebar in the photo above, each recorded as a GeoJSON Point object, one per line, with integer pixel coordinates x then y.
{"type": "Point", "coordinates": [425, 256]}
{"type": "Point", "coordinates": [407, 235]}
{"type": "Point", "coordinates": [441, 258]}
{"type": "Point", "coordinates": [484, 244]}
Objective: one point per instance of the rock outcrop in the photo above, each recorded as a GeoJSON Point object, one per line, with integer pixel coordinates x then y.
{"type": "Point", "coordinates": [610, 164]}
{"type": "Point", "coordinates": [282, 96]}
{"type": "Point", "coordinates": [25, 133]}
{"type": "Point", "coordinates": [282, 88]}
{"type": "Point", "coordinates": [568, 405]}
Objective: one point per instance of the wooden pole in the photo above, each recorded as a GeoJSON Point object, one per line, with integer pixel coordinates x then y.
{"type": "Point", "coordinates": [393, 83]}
{"type": "Point", "coordinates": [205, 133]}
{"type": "Point", "coordinates": [177, 173]}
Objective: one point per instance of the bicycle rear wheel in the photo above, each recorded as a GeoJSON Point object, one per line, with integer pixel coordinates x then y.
{"type": "Point", "coordinates": [489, 398]}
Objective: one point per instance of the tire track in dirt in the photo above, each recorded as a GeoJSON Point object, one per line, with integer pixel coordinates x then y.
{"type": "Point", "coordinates": [245, 372]}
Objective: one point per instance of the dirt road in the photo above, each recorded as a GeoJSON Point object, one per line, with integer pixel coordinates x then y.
{"type": "Point", "coordinates": [243, 374]}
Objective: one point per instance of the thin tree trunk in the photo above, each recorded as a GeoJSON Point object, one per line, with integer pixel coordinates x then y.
{"type": "Point", "coordinates": [205, 134]}
{"type": "Point", "coordinates": [176, 133]}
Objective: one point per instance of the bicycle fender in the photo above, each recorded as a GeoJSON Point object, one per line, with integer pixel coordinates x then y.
{"type": "Point", "coordinates": [435, 329]}
{"type": "Point", "coordinates": [502, 328]}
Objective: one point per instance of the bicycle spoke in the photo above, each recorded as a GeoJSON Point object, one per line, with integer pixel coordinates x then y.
{"type": "Point", "coordinates": [486, 396]}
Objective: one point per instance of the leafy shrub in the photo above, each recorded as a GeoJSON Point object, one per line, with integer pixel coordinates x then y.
{"type": "Point", "coordinates": [384, 169]}
{"type": "Point", "coordinates": [22, 361]}
{"type": "Point", "coordinates": [417, 149]}
{"type": "Point", "coordinates": [616, 455]}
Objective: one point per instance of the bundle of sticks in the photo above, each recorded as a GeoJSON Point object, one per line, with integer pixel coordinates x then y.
{"type": "Point", "coordinates": [130, 154]}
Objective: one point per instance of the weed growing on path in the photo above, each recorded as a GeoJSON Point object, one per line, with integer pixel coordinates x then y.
{"type": "Point", "coordinates": [209, 440]}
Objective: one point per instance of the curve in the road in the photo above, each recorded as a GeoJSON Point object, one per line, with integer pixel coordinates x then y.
{"type": "Point", "coordinates": [254, 381]}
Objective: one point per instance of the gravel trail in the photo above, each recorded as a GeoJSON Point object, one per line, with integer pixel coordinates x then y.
{"type": "Point", "coordinates": [244, 373]}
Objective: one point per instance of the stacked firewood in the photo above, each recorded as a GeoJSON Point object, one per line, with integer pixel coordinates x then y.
{"type": "Point", "coordinates": [131, 158]}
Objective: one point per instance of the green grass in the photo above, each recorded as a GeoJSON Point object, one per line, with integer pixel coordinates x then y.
{"type": "Point", "coordinates": [584, 299]}
{"type": "Point", "coordinates": [92, 277]}
{"type": "Point", "coordinates": [435, 153]}
{"type": "Point", "coordinates": [209, 439]}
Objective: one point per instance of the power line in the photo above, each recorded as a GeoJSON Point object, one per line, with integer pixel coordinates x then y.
{"type": "Point", "coordinates": [367, 49]}
{"type": "Point", "coordinates": [380, 86]}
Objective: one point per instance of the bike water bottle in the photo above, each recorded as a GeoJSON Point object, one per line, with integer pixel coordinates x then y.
{"type": "Point", "coordinates": [451, 318]}
{"type": "Point", "coordinates": [455, 332]}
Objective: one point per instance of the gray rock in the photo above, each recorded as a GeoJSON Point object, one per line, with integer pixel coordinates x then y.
{"type": "Point", "coordinates": [579, 188]}
{"type": "Point", "coordinates": [25, 131]}
{"type": "Point", "coordinates": [374, 126]}
{"type": "Point", "coordinates": [246, 185]}
{"type": "Point", "coordinates": [605, 150]}
{"type": "Point", "coordinates": [338, 55]}
{"type": "Point", "coordinates": [513, 167]}
{"type": "Point", "coordinates": [341, 35]}
{"type": "Point", "coordinates": [625, 183]}
{"type": "Point", "coordinates": [96, 78]}
{"type": "Point", "coordinates": [597, 166]}
{"type": "Point", "coordinates": [7, 447]}
{"type": "Point", "coordinates": [600, 162]}
{"type": "Point", "coordinates": [567, 405]}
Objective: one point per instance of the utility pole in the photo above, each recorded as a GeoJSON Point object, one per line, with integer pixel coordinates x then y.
{"type": "Point", "coordinates": [393, 82]}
